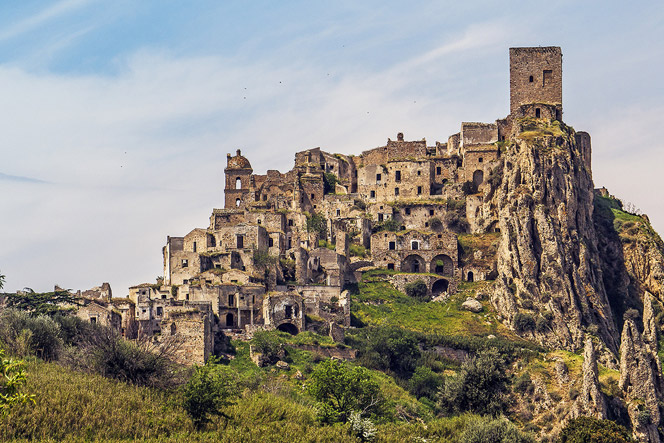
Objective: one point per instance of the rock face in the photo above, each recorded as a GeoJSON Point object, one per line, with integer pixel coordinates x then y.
{"type": "Point", "coordinates": [591, 401]}
{"type": "Point", "coordinates": [639, 381]}
{"type": "Point", "coordinates": [548, 260]}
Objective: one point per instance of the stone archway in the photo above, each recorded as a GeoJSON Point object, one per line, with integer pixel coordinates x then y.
{"type": "Point", "coordinates": [470, 277]}
{"type": "Point", "coordinates": [478, 177]}
{"type": "Point", "coordinates": [413, 263]}
{"type": "Point", "coordinates": [442, 265]}
{"type": "Point", "coordinates": [288, 327]}
{"type": "Point", "coordinates": [440, 287]}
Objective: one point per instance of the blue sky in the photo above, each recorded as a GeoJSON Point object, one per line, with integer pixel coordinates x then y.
{"type": "Point", "coordinates": [118, 115]}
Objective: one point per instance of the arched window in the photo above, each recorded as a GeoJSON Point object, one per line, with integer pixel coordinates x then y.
{"type": "Point", "coordinates": [238, 183]}
{"type": "Point", "coordinates": [238, 202]}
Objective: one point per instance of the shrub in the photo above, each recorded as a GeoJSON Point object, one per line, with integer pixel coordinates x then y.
{"type": "Point", "coordinates": [523, 384]}
{"type": "Point", "coordinates": [329, 183]}
{"type": "Point", "coordinates": [424, 383]}
{"type": "Point", "coordinates": [12, 380]}
{"type": "Point", "coordinates": [357, 251]}
{"type": "Point", "coordinates": [387, 225]}
{"type": "Point", "coordinates": [436, 224]}
{"type": "Point", "coordinates": [388, 348]}
{"type": "Point", "coordinates": [541, 325]}
{"type": "Point", "coordinates": [24, 335]}
{"type": "Point", "coordinates": [480, 386]}
{"type": "Point", "coordinates": [589, 430]}
{"type": "Point", "coordinates": [208, 391]}
{"type": "Point", "coordinates": [269, 344]}
{"type": "Point", "coordinates": [524, 322]}
{"type": "Point", "coordinates": [342, 389]}
{"type": "Point", "coordinates": [493, 431]}
{"type": "Point", "coordinates": [317, 223]}
{"type": "Point", "coordinates": [143, 362]}
{"type": "Point", "coordinates": [417, 290]}
{"type": "Point", "coordinates": [362, 428]}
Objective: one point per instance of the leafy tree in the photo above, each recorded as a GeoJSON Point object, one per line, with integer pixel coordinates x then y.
{"type": "Point", "coordinates": [210, 389]}
{"type": "Point", "coordinates": [480, 386]}
{"type": "Point", "coordinates": [13, 379]}
{"type": "Point", "coordinates": [342, 389]}
{"type": "Point", "coordinates": [317, 223]}
{"type": "Point", "coordinates": [2, 281]}
{"type": "Point", "coordinates": [592, 430]}
{"type": "Point", "coordinates": [329, 183]}
{"type": "Point", "coordinates": [418, 290]}
{"type": "Point", "coordinates": [42, 303]}
{"type": "Point", "coordinates": [268, 343]}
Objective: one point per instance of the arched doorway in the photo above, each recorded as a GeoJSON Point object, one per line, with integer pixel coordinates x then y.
{"type": "Point", "coordinates": [230, 320]}
{"type": "Point", "coordinates": [413, 263]}
{"type": "Point", "coordinates": [478, 177]}
{"type": "Point", "coordinates": [439, 287]}
{"type": "Point", "coordinates": [442, 265]}
{"type": "Point", "coordinates": [288, 327]}
{"type": "Point", "coordinates": [470, 276]}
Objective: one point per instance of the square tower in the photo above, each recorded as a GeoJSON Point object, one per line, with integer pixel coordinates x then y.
{"type": "Point", "coordinates": [536, 76]}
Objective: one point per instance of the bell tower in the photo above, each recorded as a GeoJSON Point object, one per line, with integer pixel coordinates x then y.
{"type": "Point", "coordinates": [238, 181]}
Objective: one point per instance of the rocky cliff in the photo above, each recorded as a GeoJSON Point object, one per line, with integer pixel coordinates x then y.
{"type": "Point", "coordinates": [549, 284]}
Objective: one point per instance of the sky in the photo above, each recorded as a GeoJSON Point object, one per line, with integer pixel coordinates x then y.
{"type": "Point", "coordinates": [117, 116]}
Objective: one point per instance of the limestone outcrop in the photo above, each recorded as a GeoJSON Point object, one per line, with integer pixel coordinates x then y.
{"type": "Point", "coordinates": [639, 382]}
{"type": "Point", "coordinates": [591, 402]}
{"type": "Point", "coordinates": [548, 261]}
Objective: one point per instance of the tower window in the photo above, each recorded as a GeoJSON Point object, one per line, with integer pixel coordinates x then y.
{"type": "Point", "coordinates": [480, 160]}
{"type": "Point", "coordinates": [380, 217]}
{"type": "Point", "coordinates": [438, 170]}
{"type": "Point", "coordinates": [547, 77]}
{"type": "Point", "coordinates": [407, 211]}
{"type": "Point", "coordinates": [270, 242]}
{"type": "Point", "coordinates": [372, 194]}
{"type": "Point", "coordinates": [378, 177]}
{"type": "Point", "coordinates": [538, 113]}
{"type": "Point", "coordinates": [396, 191]}
{"type": "Point", "coordinates": [194, 246]}
{"type": "Point", "coordinates": [419, 190]}
{"type": "Point", "coordinates": [431, 212]}
{"type": "Point", "coordinates": [397, 176]}
{"type": "Point", "coordinates": [237, 202]}
{"type": "Point", "coordinates": [419, 172]}
{"type": "Point", "coordinates": [240, 241]}
{"type": "Point", "coordinates": [313, 196]}
{"type": "Point", "coordinates": [392, 246]}
{"type": "Point", "coordinates": [531, 79]}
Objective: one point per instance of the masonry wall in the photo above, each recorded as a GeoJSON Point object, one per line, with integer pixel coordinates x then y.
{"type": "Point", "coordinates": [535, 76]}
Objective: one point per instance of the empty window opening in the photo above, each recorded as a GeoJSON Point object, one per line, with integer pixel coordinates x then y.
{"type": "Point", "coordinates": [338, 212]}
{"type": "Point", "coordinates": [217, 266]}
{"type": "Point", "coordinates": [407, 211]}
{"type": "Point", "coordinates": [259, 221]}
{"type": "Point", "coordinates": [547, 77]}
{"type": "Point", "coordinates": [160, 310]}
{"type": "Point", "coordinates": [231, 300]}
{"type": "Point", "coordinates": [290, 222]}
{"type": "Point", "coordinates": [238, 183]}
{"type": "Point", "coordinates": [537, 113]}
{"type": "Point", "coordinates": [163, 296]}
{"type": "Point", "coordinates": [174, 329]}
{"type": "Point", "coordinates": [438, 170]}
{"type": "Point", "coordinates": [396, 191]}
{"type": "Point", "coordinates": [240, 241]}
{"type": "Point", "coordinates": [290, 243]}
{"type": "Point", "coordinates": [531, 79]}
{"type": "Point", "coordinates": [480, 160]}
{"type": "Point", "coordinates": [185, 263]}
{"type": "Point", "coordinates": [426, 224]}
{"type": "Point", "coordinates": [390, 266]}
{"type": "Point", "coordinates": [194, 246]}
{"type": "Point", "coordinates": [470, 276]}
{"type": "Point", "coordinates": [378, 177]}
{"type": "Point", "coordinates": [419, 172]}
{"type": "Point", "coordinates": [372, 194]}
{"type": "Point", "coordinates": [208, 282]}
{"type": "Point", "coordinates": [93, 319]}
{"type": "Point", "coordinates": [238, 202]}
{"type": "Point", "coordinates": [419, 190]}
{"type": "Point", "coordinates": [313, 196]}
{"type": "Point", "coordinates": [392, 246]}
{"type": "Point", "coordinates": [229, 320]}
{"type": "Point", "coordinates": [270, 242]}
{"type": "Point", "coordinates": [380, 217]}
{"type": "Point", "coordinates": [212, 240]}
{"type": "Point", "coordinates": [415, 245]}
{"type": "Point", "coordinates": [397, 176]}
{"type": "Point", "coordinates": [431, 212]}
{"type": "Point", "coordinates": [288, 312]}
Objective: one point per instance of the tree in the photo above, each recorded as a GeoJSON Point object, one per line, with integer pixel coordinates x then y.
{"type": "Point", "coordinates": [390, 348]}
{"type": "Point", "coordinates": [592, 430]}
{"type": "Point", "coordinates": [210, 389]}
{"type": "Point", "coordinates": [342, 389]}
{"type": "Point", "coordinates": [2, 281]}
{"type": "Point", "coordinates": [13, 379]}
{"type": "Point", "coordinates": [480, 386]}
{"type": "Point", "coordinates": [42, 303]}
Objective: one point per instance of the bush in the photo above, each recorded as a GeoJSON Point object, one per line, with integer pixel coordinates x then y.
{"type": "Point", "coordinates": [391, 224]}
{"type": "Point", "coordinates": [418, 290]}
{"type": "Point", "coordinates": [342, 389]}
{"type": "Point", "coordinates": [591, 430]}
{"type": "Point", "coordinates": [269, 344]}
{"type": "Point", "coordinates": [541, 325]}
{"type": "Point", "coordinates": [208, 391]}
{"type": "Point", "coordinates": [388, 348]}
{"type": "Point", "coordinates": [329, 183]}
{"type": "Point", "coordinates": [362, 428]}
{"type": "Point", "coordinates": [357, 251]}
{"type": "Point", "coordinates": [436, 224]}
{"type": "Point", "coordinates": [524, 322]}
{"type": "Point", "coordinates": [493, 431]}
{"type": "Point", "coordinates": [523, 384]}
{"type": "Point", "coordinates": [317, 223]}
{"type": "Point", "coordinates": [12, 381]}
{"type": "Point", "coordinates": [424, 383]}
{"type": "Point", "coordinates": [480, 386]}
{"type": "Point", "coordinates": [142, 363]}
{"type": "Point", "coordinates": [24, 335]}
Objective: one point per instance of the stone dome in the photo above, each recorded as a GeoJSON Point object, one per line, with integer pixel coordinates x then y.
{"type": "Point", "coordinates": [238, 162]}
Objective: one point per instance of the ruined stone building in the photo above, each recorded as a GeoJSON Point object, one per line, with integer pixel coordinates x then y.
{"type": "Point", "coordinates": [285, 245]}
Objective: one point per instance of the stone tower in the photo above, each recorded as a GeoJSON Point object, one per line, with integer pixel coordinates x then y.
{"type": "Point", "coordinates": [536, 77]}
{"type": "Point", "coordinates": [238, 181]}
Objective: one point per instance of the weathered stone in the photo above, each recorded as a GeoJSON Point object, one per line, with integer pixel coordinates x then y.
{"type": "Point", "coordinates": [282, 365]}
{"type": "Point", "coordinates": [472, 305]}
{"type": "Point", "coordinates": [591, 401]}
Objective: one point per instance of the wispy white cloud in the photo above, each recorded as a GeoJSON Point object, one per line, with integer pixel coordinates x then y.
{"type": "Point", "coordinates": [40, 18]}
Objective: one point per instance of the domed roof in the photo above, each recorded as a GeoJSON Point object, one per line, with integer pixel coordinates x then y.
{"type": "Point", "coordinates": [238, 162]}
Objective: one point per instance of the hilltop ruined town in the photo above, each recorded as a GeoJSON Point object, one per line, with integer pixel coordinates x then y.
{"type": "Point", "coordinates": [285, 247]}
